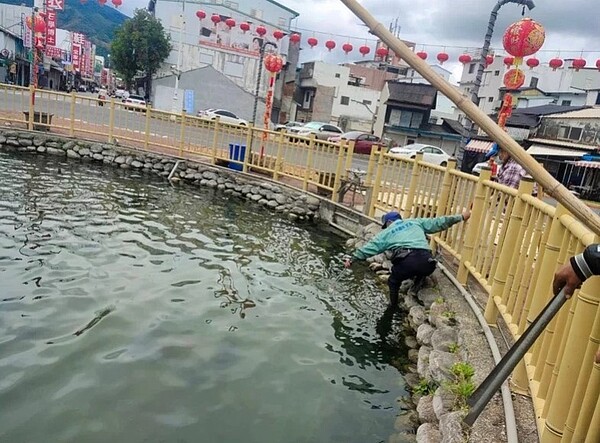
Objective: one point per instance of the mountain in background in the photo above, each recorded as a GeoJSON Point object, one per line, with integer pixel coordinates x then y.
{"type": "Point", "coordinates": [91, 18]}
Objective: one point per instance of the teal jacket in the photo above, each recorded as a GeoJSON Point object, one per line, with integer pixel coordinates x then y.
{"type": "Point", "coordinates": [407, 234]}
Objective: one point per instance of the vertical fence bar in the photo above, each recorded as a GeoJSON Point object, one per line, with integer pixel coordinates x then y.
{"type": "Point", "coordinates": [215, 141]}
{"type": "Point", "coordinates": [248, 156]}
{"type": "Point", "coordinates": [309, 161]}
{"type": "Point", "coordinates": [31, 108]}
{"type": "Point", "coordinates": [338, 171]}
{"type": "Point", "coordinates": [278, 157]}
{"type": "Point", "coordinates": [349, 156]}
{"type": "Point", "coordinates": [446, 185]}
{"type": "Point", "coordinates": [412, 189]}
{"type": "Point", "coordinates": [72, 115]}
{"type": "Point", "coordinates": [376, 185]}
{"type": "Point", "coordinates": [588, 422]}
{"type": "Point", "coordinates": [147, 127]}
{"type": "Point", "coordinates": [182, 134]}
{"type": "Point", "coordinates": [111, 120]}
{"type": "Point", "coordinates": [473, 227]}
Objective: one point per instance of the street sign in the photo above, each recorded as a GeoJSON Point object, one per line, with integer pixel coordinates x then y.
{"type": "Point", "coordinates": [56, 4]}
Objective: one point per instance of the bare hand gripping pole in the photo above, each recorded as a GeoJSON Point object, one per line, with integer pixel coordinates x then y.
{"type": "Point", "coordinates": [584, 214]}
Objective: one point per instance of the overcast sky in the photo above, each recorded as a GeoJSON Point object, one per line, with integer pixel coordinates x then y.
{"type": "Point", "coordinates": [571, 25]}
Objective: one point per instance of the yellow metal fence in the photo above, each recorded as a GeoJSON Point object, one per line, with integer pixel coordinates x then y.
{"type": "Point", "coordinates": [512, 245]}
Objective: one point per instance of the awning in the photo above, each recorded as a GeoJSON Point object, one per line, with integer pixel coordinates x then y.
{"type": "Point", "coordinates": [584, 164]}
{"type": "Point", "coordinates": [554, 152]}
{"type": "Point", "coordinates": [479, 146]}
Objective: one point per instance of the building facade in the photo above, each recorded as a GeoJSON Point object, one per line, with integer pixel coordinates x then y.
{"type": "Point", "coordinates": [231, 50]}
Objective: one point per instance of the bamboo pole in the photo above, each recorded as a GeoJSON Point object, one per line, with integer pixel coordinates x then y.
{"type": "Point", "coordinates": [550, 184]}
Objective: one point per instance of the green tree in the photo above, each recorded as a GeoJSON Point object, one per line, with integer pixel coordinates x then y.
{"type": "Point", "coordinates": [140, 44]}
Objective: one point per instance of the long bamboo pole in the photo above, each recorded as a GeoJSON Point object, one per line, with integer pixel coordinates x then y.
{"type": "Point", "coordinates": [550, 184]}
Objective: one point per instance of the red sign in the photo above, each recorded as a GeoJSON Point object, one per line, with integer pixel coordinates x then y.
{"type": "Point", "coordinates": [54, 52]}
{"type": "Point", "coordinates": [76, 52]}
{"type": "Point", "coordinates": [51, 27]}
{"type": "Point", "coordinates": [56, 4]}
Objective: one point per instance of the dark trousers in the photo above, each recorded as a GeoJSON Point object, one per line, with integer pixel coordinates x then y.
{"type": "Point", "coordinates": [418, 265]}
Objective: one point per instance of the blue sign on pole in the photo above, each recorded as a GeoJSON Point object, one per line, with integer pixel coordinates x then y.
{"type": "Point", "coordinates": [188, 101]}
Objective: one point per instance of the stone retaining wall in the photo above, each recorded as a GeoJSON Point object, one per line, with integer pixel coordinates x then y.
{"type": "Point", "coordinates": [293, 204]}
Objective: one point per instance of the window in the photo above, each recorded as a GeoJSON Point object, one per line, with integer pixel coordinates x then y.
{"type": "Point", "coordinates": [490, 99]}
{"type": "Point", "coordinates": [570, 133]}
{"type": "Point", "coordinates": [337, 75]}
{"type": "Point", "coordinates": [329, 128]}
{"type": "Point", "coordinates": [256, 13]}
{"type": "Point", "coordinates": [496, 73]}
{"type": "Point", "coordinates": [410, 141]}
{"type": "Point", "coordinates": [345, 100]}
{"type": "Point", "coordinates": [367, 102]}
{"type": "Point", "coordinates": [408, 119]}
{"type": "Point", "coordinates": [534, 82]}
{"type": "Point", "coordinates": [472, 68]}
{"type": "Point", "coordinates": [575, 134]}
{"type": "Point", "coordinates": [566, 103]}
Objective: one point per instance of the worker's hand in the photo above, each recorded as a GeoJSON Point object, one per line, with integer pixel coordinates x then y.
{"type": "Point", "coordinates": [348, 263]}
{"type": "Point", "coordinates": [566, 278]}
{"type": "Point", "coordinates": [466, 214]}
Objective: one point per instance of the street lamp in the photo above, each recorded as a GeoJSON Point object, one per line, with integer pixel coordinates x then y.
{"type": "Point", "coordinates": [260, 68]}
{"type": "Point", "coordinates": [177, 70]}
{"type": "Point", "coordinates": [486, 48]}
{"type": "Point", "coordinates": [373, 114]}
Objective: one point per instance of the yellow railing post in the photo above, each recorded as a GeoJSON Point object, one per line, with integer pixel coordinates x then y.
{"type": "Point", "coordinates": [215, 141]}
{"type": "Point", "coordinates": [72, 115]}
{"type": "Point", "coordinates": [111, 120]}
{"type": "Point", "coordinates": [412, 189]}
{"type": "Point", "coordinates": [509, 252]}
{"type": "Point", "coordinates": [309, 162]}
{"type": "Point", "coordinates": [31, 108]}
{"type": "Point", "coordinates": [182, 134]}
{"type": "Point", "coordinates": [349, 156]}
{"type": "Point", "coordinates": [147, 127]}
{"type": "Point", "coordinates": [376, 184]}
{"type": "Point", "coordinates": [339, 169]}
{"type": "Point", "coordinates": [578, 356]}
{"type": "Point", "coordinates": [278, 157]}
{"type": "Point", "coordinates": [446, 185]}
{"type": "Point", "coordinates": [472, 231]}
{"type": "Point", "coordinates": [587, 393]}
{"type": "Point", "coordinates": [249, 139]}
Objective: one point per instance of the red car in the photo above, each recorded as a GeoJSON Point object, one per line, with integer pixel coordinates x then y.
{"type": "Point", "coordinates": [364, 142]}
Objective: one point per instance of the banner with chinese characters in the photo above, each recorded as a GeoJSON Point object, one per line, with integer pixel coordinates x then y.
{"type": "Point", "coordinates": [56, 4]}
{"type": "Point", "coordinates": [54, 52]}
{"type": "Point", "coordinates": [51, 27]}
{"type": "Point", "coordinates": [25, 32]}
{"type": "Point", "coordinates": [75, 54]}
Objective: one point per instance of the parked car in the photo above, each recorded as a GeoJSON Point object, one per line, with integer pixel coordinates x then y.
{"type": "Point", "coordinates": [321, 130]}
{"type": "Point", "coordinates": [363, 142]}
{"type": "Point", "coordinates": [121, 93]}
{"type": "Point", "coordinates": [224, 116]}
{"type": "Point", "coordinates": [287, 125]}
{"type": "Point", "coordinates": [431, 154]}
{"type": "Point", "coordinates": [102, 96]}
{"type": "Point", "coordinates": [135, 103]}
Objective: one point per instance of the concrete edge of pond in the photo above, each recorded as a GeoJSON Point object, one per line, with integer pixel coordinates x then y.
{"type": "Point", "coordinates": [296, 204]}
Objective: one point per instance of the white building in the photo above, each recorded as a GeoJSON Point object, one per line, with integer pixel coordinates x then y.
{"type": "Point", "coordinates": [563, 86]}
{"type": "Point", "coordinates": [331, 94]}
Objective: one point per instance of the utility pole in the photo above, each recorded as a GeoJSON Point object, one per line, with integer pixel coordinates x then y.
{"type": "Point", "coordinates": [176, 108]}
{"type": "Point", "coordinates": [259, 76]}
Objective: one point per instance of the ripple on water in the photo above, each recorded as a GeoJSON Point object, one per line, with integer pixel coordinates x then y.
{"type": "Point", "coordinates": [135, 311]}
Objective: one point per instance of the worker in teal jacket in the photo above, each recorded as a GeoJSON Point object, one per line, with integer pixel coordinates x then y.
{"type": "Point", "coordinates": [410, 252]}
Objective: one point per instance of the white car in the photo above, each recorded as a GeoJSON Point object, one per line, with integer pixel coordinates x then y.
{"type": "Point", "coordinates": [121, 93]}
{"type": "Point", "coordinates": [135, 103]}
{"type": "Point", "coordinates": [224, 116]}
{"type": "Point", "coordinates": [321, 130]}
{"type": "Point", "coordinates": [431, 154]}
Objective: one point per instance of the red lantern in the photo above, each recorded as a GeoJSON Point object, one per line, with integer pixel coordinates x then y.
{"type": "Point", "coordinates": [364, 50]}
{"type": "Point", "coordinates": [330, 44]}
{"type": "Point", "coordinates": [532, 62]}
{"type": "Point", "coordinates": [40, 24]}
{"type": "Point", "coordinates": [117, 3]}
{"type": "Point", "coordinates": [489, 60]}
{"type": "Point", "coordinates": [514, 79]}
{"type": "Point", "coordinates": [579, 63]}
{"type": "Point", "coordinates": [312, 42]}
{"type": "Point", "coordinates": [245, 27]}
{"type": "Point", "coordinates": [555, 63]}
{"type": "Point", "coordinates": [295, 38]}
{"type": "Point", "coordinates": [216, 19]}
{"type": "Point", "coordinates": [230, 23]}
{"type": "Point", "coordinates": [422, 55]}
{"type": "Point", "coordinates": [102, 2]}
{"type": "Point", "coordinates": [465, 59]}
{"type": "Point", "coordinates": [509, 61]}
{"type": "Point", "coordinates": [598, 64]}
{"type": "Point", "coordinates": [261, 30]}
{"type": "Point", "coordinates": [278, 34]}
{"type": "Point", "coordinates": [273, 63]}
{"type": "Point", "coordinates": [201, 15]}
{"type": "Point", "coordinates": [347, 48]}
{"type": "Point", "coordinates": [382, 52]}
{"type": "Point", "coordinates": [523, 38]}
{"type": "Point", "coordinates": [442, 57]}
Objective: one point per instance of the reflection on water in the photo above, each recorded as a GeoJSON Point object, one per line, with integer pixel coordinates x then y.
{"type": "Point", "coordinates": [134, 311]}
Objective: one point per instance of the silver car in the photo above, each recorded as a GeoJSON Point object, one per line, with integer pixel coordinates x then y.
{"type": "Point", "coordinates": [321, 130]}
